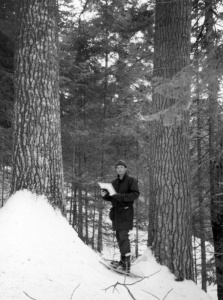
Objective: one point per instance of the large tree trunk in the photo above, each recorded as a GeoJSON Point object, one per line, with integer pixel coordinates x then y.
{"type": "Point", "coordinates": [170, 207]}
{"type": "Point", "coordinates": [37, 154]}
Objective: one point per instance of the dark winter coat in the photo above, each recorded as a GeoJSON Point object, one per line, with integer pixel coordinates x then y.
{"type": "Point", "coordinates": [122, 210]}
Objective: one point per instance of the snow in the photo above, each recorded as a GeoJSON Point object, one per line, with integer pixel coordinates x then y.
{"type": "Point", "coordinates": [42, 258]}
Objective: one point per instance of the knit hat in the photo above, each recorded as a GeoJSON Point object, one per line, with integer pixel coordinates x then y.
{"type": "Point", "coordinates": [121, 163]}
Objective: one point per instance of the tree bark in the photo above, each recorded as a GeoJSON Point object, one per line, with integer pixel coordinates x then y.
{"type": "Point", "coordinates": [170, 204]}
{"type": "Point", "coordinates": [37, 152]}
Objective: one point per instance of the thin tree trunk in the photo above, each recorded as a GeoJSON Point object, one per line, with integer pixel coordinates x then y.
{"type": "Point", "coordinates": [100, 244]}
{"type": "Point", "coordinates": [86, 219]}
{"type": "Point", "coordinates": [37, 151]}
{"type": "Point", "coordinates": [137, 230]}
{"type": "Point", "coordinates": [104, 108]}
{"type": "Point", "coordinates": [80, 214]}
{"type": "Point", "coordinates": [3, 169]}
{"type": "Point", "coordinates": [74, 221]}
{"type": "Point", "coordinates": [201, 204]}
{"type": "Point", "coordinates": [137, 206]}
{"type": "Point", "coordinates": [71, 208]}
{"type": "Point", "coordinates": [195, 260]}
{"type": "Point", "coordinates": [100, 207]}
{"type": "Point", "coordinates": [74, 189]}
{"type": "Point", "coordinates": [215, 148]}
{"type": "Point", "coordinates": [93, 221]}
{"type": "Point", "coordinates": [199, 185]}
{"type": "Point", "coordinates": [217, 221]}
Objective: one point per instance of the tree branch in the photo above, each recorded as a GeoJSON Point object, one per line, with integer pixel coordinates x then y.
{"type": "Point", "coordinates": [74, 291]}
{"type": "Point", "coordinates": [157, 297]}
{"type": "Point", "coordinates": [151, 294]}
{"type": "Point", "coordinates": [167, 294]}
{"type": "Point", "coordinates": [128, 284]}
{"type": "Point", "coordinates": [28, 296]}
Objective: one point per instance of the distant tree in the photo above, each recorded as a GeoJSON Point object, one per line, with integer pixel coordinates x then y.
{"type": "Point", "coordinates": [200, 211]}
{"type": "Point", "coordinates": [7, 18]}
{"type": "Point", "coordinates": [6, 94]}
{"type": "Point", "coordinates": [206, 131]}
{"type": "Point", "coordinates": [37, 154]}
{"type": "Point", "coordinates": [102, 70]}
{"type": "Point", "coordinates": [170, 205]}
{"type": "Point", "coordinates": [214, 69]}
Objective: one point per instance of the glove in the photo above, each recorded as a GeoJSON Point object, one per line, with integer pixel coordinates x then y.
{"type": "Point", "coordinates": [104, 193]}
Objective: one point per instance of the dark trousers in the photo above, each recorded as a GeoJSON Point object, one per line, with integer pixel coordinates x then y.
{"type": "Point", "coordinates": [122, 237]}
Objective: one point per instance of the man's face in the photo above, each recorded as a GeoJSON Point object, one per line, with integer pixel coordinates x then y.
{"type": "Point", "coordinates": [121, 170]}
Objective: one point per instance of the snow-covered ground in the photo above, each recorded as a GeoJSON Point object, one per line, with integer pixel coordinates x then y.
{"type": "Point", "coordinates": [42, 258]}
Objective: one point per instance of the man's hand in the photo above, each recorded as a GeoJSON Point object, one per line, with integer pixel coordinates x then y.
{"type": "Point", "coordinates": [117, 197]}
{"type": "Point", "coordinates": [104, 193]}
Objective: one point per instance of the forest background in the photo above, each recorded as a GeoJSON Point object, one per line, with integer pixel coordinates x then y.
{"type": "Point", "coordinates": [106, 52]}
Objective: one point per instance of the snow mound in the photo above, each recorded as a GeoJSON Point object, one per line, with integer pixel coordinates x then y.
{"type": "Point", "coordinates": [42, 258]}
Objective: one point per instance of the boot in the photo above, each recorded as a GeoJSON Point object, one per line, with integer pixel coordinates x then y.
{"type": "Point", "coordinates": [115, 263]}
{"type": "Point", "coordinates": [124, 264]}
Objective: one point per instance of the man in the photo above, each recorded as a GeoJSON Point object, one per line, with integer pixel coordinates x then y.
{"type": "Point", "coordinates": [121, 213]}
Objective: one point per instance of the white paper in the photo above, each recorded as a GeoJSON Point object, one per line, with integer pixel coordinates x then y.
{"type": "Point", "coordinates": [108, 187]}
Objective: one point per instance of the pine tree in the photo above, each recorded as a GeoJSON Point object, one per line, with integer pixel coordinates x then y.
{"type": "Point", "coordinates": [37, 155]}
{"type": "Point", "coordinates": [100, 89]}
{"type": "Point", "coordinates": [170, 212]}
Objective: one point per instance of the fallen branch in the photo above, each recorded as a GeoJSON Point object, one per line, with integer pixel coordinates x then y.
{"type": "Point", "coordinates": [28, 296]}
{"type": "Point", "coordinates": [157, 297]}
{"type": "Point", "coordinates": [70, 297]}
{"type": "Point", "coordinates": [130, 293]}
{"type": "Point", "coordinates": [167, 294]}
{"type": "Point", "coordinates": [151, 294]}
{"type": "Point", "coordinates": [74, 291]}
{"type": "Point", "coordinates": [128, 284]}
{"type": "Point", "coordinates": [123, 284]}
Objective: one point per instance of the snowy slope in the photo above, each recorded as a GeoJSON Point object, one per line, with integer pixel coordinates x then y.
{"type": "Point", "coordinates": [42, 258]}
